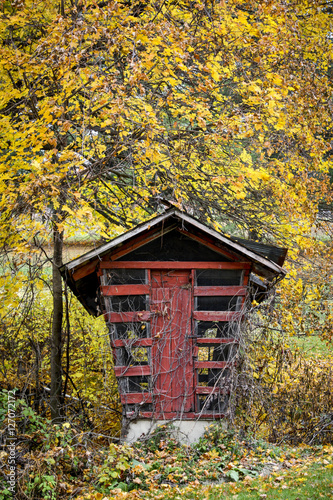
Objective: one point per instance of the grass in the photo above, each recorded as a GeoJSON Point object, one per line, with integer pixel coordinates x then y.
{"type": "Point", "coordinates": [300, 483]}
{"type": "Point", "coordinates": [311, 482]}
{"type": "Point", "coordinates": [312, 346]}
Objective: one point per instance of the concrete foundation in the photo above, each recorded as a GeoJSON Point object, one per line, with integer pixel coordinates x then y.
{"type": "Point", "coordinates": [185, 431]}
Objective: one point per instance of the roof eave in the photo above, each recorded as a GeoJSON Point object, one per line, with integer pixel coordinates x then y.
{"type": "Point", "coordinates": [262, 264]}
{"type": "Point", "coordinates": [235, 246]}
{"type": "Point", "coordinates": [100, 251]}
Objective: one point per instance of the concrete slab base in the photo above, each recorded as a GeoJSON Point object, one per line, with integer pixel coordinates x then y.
{"type": "Point", "coordinates": [185, 431]}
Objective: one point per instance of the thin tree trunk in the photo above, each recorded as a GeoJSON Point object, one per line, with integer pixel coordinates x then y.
{"type": "Point", "coordinates": [68, 334]}
{"type": "Point", "coordinates": [56, 341]}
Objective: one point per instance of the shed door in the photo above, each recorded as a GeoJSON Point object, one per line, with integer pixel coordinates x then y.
{"type": "Point", "coordinates": [172, 349]}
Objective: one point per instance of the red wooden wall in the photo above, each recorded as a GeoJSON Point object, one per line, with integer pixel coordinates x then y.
{"type": "Point", "coordinates": [174, 330]}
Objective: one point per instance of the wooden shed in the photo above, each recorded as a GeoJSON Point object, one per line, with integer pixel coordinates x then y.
{"type": "Point", "coordinates": [173, 292]}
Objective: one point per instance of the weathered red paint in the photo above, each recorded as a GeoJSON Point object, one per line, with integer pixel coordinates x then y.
{"type": "Point", "coordinates": [132, 371]}
{"type": "Point", "coordinates": [174, 348]}
{"type": "Point", "coordinates": [85, 270]}
{"type": "Point", "coordinates": [172, 352]}
{"type": "Point", "coordinates": [127, 317]}
{"type": "Point", "coordinates": [216, 315]}
{"type": "Point", "coordinates": [131, 343]}
{"type": "Point", "coordinates": [136, 398]}
{"type": "Point", "coordinates": [211, 291]}
{"type": "Point", "coordinates": [125, 290]}
{"type": "Point", "coordinates": [216, 341]}
{"type": "Point", "coordinates": [175, 415]}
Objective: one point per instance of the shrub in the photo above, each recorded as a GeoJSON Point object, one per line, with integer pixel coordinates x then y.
{"type": "Point", "coordinates": [282, 394]}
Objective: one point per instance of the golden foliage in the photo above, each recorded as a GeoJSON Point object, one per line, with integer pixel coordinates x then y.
{"type": "Point", "coordinates": [225, 106]}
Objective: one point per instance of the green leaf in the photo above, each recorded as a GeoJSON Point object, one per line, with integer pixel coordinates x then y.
{"type": "Point", "coordinates": [123, 486]}
{"type": "Point", "coordinates": [233, 474]}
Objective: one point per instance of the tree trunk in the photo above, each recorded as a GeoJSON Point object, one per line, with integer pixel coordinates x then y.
{"type": "Point", "coordinates": [56, 370]}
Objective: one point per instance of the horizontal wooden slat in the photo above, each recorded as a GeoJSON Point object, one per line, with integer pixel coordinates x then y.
{"type": "Point", "coordinates": [210, 415]}
{"type": "Point", "coordinates": [209, 291]}
{"type": "Point", "coordinates": [136, 398]}
{"type": "Point", "coordinates": [211, 364]}
{"type": "Point", "coordinates": [170, 264]}
{"type": "Point", "coordinates": [127, 317]}
{"type": "Point", "coordinates": [217, 315]}
{"type": "Point", "coordinates": [209, 390]}
{"type": "Point", "coordinates": [216, 341]}
{"type": "Point", "coordinates": [131, 371]}
{"type": "Point", "coordinates": [131, 343]}
{"type": "Point", "coordinates": [172, 415]}
{"type": "Point", "coordinates": [112, 290]}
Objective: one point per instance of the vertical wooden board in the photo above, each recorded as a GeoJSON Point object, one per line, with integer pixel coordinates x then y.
{"type": "Point", "coordinates": [172, 356]}
{"type": "Point", "coordinates": [160, 330]}
{"type": "Point", "coordinates": [182, 371]}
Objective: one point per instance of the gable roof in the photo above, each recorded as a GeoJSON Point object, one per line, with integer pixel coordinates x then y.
{"type": "Point", "coordinates": [267, 260]}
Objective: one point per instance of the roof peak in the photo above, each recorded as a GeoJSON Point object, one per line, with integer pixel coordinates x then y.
{"type": "Point", "coordinates": [239, 247]}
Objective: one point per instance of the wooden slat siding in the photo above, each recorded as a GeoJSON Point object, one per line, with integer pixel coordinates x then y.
{"type": "Point", "coordinates": [182, 378]}
{"type": "Point", "coordinates": [193, 325]}
{"type": "Point", "coordinates": [173, 367]}
{"type": "Point", "coordinates": [171, 264]}
{"type": "Point", "coordinates": [160, 356]}
{"type": "Point", "coordinates": [209, 242]}
{"type": "Point", "coordinates": [211, 364]}
{"type": "Point", "coordinates": [210, 390]}
{"type": "Point", "coordinates": [221, 291]}
{"type": "Point", "coordinates": [127, 317]}
{"type": "Point", "coordinates": [208, 415]}
{"type": "Point", "coordinates": [216, 341]}
{"type": "Point", "coordinates": [83, 271]}
{"type": "Point", "coordinates": [132, 371]}
{"type": "Point", "coordinates": [193, 274]}
{"type": "Point", "coordinates": [217, 315]}
{"type": "Point", "coordinates": [174, 415]}
{"type": "Point", "coordinates": [136, 398]}
{"type": "Point", "coordinates": [139, 241]}
{"type": "Point", "coordinates": [132, 343]}
{"type": "Point", "coordinates": [111, 290]}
